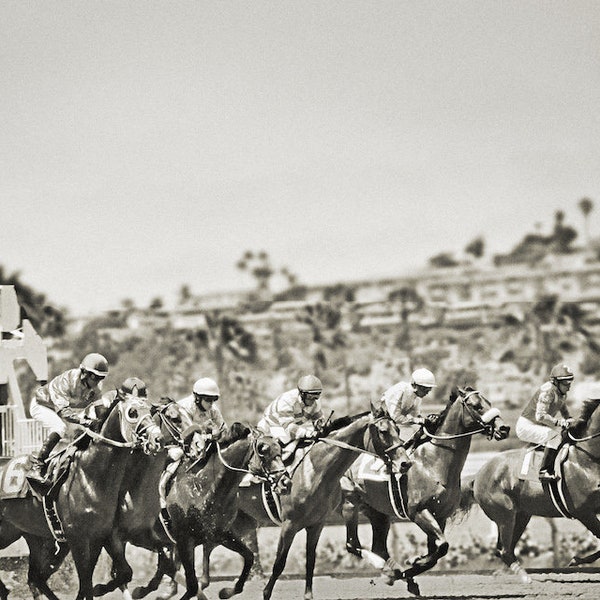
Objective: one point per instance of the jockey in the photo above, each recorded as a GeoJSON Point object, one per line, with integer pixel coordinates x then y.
{"type": "Point", "coordinates": [546, 415]}
{"type": "Point", "coordinates": [403, 403]}
{"type": "Point", "coordinates": [62, 401]}
{"type": "Point", "coordinates": [295, 414]}
{"type": "Point", "coordinates": [201, 407]}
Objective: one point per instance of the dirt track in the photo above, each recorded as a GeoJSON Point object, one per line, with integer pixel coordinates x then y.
{"type": "Point", "coordinates": [583, 586]}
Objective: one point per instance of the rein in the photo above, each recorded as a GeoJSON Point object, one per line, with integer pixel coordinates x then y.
{"type": "Point", "coordinates": [105, 440]}
{"type": "Point", "coordinates": [264, 476]}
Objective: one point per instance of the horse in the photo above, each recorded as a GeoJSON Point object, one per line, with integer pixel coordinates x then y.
{"type": "Point", "coordinates": [429, 492]}
{"type": "Point", "coordinates": [510, 501]}
{"type": "Point", "coordinates": [138, 519]}
{"type": "Point", "coordinates": [316, 485]}
{"type": "Point", "coordinates": [86, 502]}
{"type": "Point", "coordinates": [203, 499]}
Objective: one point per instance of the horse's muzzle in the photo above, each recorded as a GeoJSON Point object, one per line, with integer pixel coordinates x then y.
{"type": "Point", "coordinates": [501, 432]}
{"type": "Point", "coordinates": [283, 485]}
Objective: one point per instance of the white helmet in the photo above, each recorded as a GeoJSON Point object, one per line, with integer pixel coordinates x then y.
{"type": "Point", "coordinates": [206, 387]}
{"type": "Point", "coordinates": [423, 377]}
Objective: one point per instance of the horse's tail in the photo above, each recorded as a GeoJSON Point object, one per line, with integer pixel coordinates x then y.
{"type": "Point", "coordinates": [467, 499]}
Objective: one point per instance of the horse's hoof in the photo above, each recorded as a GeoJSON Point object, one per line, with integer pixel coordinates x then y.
{"type": "Point", "coordinates": [139, 592]}
{"type": "Point", "coordinates": [99, 589]}
{"type": "Point", "coordinates": [227, 592]}
{"type": "Point", "coordinates": [204, 583]}
{"type": "Point", "coordinates": [413, 587]}
{"type": "Point", "coordinates": [353, 549]}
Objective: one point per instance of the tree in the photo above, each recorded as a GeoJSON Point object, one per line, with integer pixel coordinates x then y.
{"type": "Point", "coordinates": [476, 248]}
{"type": "Point", "coordinates": [586, 206]}
{"type": "Point", "coordinates": [184, 295]}
{"type": "Point", "coordinates": [259, 266]}
{"type": "Point", "coordinates": [406, 301]}
{"type": "Point", "coordinates": [47, 319]}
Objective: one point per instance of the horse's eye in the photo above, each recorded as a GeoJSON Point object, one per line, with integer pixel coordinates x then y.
{"type": "Point", "coordinates": [262, 449]}
{"type": "Point", "coordinates": [132, 414]}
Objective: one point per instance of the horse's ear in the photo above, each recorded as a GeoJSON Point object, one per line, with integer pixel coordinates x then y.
{"type": "Point", "coordinates": [455, 392]}
{"type": "Point", "coordinates": [379, 409]}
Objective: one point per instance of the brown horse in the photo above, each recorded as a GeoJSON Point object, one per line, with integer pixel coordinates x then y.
{"type": "Point", "coordinates": [87, 501]}
{"type": "Point", "coordinates": [431, 487]}
{"type": "Point", "coordinates": [203, 499]}
{"type": "Point", "coordinates": [511, 501]}
{"type": "Point", "coordinates": [316, 485]}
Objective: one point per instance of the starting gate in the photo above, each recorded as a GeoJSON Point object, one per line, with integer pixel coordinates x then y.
{"type": "Point", "coordinates": [18, 340]}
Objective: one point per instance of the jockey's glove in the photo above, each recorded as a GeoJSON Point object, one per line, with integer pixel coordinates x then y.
{"type": "Point", "coordinates": [175, 453]}
{"type": "Point", "coordinates": [306, 433]}
{"type": "Point", "coordinates": [418, 420]}
{"type": "Point", "coordinates": [565, 423]}
{"type": "Point", "coordinates": [92, 424]}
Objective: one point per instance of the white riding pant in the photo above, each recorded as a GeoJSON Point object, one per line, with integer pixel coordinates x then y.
{"type": "Point", "coordinates": [48, 418]}
{"type": "Point", "coordinates": [544, 435]}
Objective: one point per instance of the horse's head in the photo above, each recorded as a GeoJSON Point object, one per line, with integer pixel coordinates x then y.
{"type": "Point", "coordinates": [136, 426]}
{"type": "Point", "coordinates": [172, 420]}
{"type": "Point", "coordinates": [478, 413]}
{"type": "Point", "coordinates": [266, 462]}
{"type": "Point", "coordinates": [385, 441]}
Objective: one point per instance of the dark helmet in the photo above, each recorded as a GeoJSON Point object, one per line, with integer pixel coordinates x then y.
{"type": "Point", "coordinates": [95, 363]}
{"type": "Point", "coordinates": [561, 372]}
{"type": "Point", "coordinates": [135, 387]}
{"type": "Point", "coordinates": [310, 384]}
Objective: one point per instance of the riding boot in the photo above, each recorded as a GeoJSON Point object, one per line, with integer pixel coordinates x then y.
{"type": "Point", "coordinates": [38, 471]}
{"type": "Point", "coordinates": [547, 469]}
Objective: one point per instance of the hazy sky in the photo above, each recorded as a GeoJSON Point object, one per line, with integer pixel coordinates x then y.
{"type": "Point", "coordinates": [144, 145]}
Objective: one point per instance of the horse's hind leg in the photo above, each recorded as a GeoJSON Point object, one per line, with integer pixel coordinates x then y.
{"type": "Point", "coordinates": [350, 516]}
{"type": "Point", "coordinates": [593, 525]}
{"type": "Point", "coordinates": [237, 545]}
{"type": "Point", "coordinates": [44, 561]}
{"type": "Point", "coordinates": [121, 571]}
{"type": "Point", "coordinates": [205, 577]}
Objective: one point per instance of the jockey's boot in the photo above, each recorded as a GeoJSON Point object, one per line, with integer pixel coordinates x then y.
{"type": "Point", "coordinates": [38, 471]}
{"type": "Point", "coordinates": [547, 467]}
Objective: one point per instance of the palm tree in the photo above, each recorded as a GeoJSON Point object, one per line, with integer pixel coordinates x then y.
{"type": "Point", "coordinates": [586, 206]}
{"type": "Point", "coordinates": [259, 266]}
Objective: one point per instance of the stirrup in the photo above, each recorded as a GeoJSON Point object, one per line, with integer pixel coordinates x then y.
{"type": "Point", "coordinates": [545, 475]}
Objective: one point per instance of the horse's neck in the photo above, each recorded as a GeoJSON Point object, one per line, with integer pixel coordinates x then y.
{"type": "Point", "coordinates": [236, 455]}
{"type": "Point", "coordinates": [450, 454]}
{"type": "Point", "coordinates": [334, 461]}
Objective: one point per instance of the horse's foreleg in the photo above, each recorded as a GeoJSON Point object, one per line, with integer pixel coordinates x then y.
{"type": "Point", "coordinates": [44, 560]}
{"type": "Point", "coordinates": [121, 570]}
{"type": "Point", "coordinates": [85, 554]}
{"type": "Point", "coordinates": [313, 534]}
{"type": "Point", "coordinates": [165, 565]}
{"type": "Point", "coordinates": [205, 577]}
{"type": "Point", "coordinates": [186, 548]}
{"type": "Point", "coordinates": [380, 527]}
{"type": "Point", "coordinates": [237, 545]}
{"type": "Point", "coordinates": [286, 537]}
{"type": "Point", "coordinates": [592, 523]}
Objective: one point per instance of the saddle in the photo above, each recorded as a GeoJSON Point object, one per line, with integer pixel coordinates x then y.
{"type": "Point", "coordinates": [56, 471]}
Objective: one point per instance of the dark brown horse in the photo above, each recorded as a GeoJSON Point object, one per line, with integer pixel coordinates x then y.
{"type": "Point", "coordinates": [432, 485]}
{"type": "Point", "coordinates": [510, 501]}
{"type": "Point", "coordinates": [137, 519]}
{"type": "Point", "coordinates": [316, 485]}
{"type": "Point", "coordinates": [203, 500]}
{"type": "Point", "coordinates": [87, 501]}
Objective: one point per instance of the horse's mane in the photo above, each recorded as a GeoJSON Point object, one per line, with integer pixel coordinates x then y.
{"type": "Point", "coordinates": [236, 432]}
{"type": "Point", "coordinates": [455, 392]}
{"type": "Point", "coordinates": [587, 410]}
{"type": "Point", "coordinates": [342, 422]}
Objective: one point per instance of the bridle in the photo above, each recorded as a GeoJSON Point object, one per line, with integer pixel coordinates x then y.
{"type": "Point", "coordinates": [485, 421]}
{"type": "Point", "coordinates": [386, 453]}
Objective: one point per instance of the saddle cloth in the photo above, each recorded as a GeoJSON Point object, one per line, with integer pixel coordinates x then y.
{"type": "Point", "coordinates": [12, 477]}
{"type": "Point", "coordinates": [531, 460]}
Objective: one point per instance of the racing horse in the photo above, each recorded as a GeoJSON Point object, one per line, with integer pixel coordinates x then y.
{"type": "Point", "coordinates": [87, 500]}
{"type": "Point", "coordinates": [316, 485]}
{"type": "Point", "coordinates": [137, 519]}
{"type": "Point", "coordinates": [510, 501]}
{"type": "Point", "coordinates": [203, 500]}
{"type": "Point", "coordinates": [429, 492]}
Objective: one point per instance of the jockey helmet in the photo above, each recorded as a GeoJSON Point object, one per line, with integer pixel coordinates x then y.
{"type": "Point", "coordinates": [206, 386]}
{"type": "Point", "coordinates": [95, 363]}
{"type": "Point", "coordinates": [423, 377]}
{"type": "Point", "coordinates": [135, 387]}
{"type": "Point", "coordinates": [310, 384]}
{"type": "Point", "coordinates": [561, 373]}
